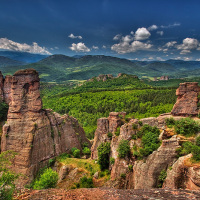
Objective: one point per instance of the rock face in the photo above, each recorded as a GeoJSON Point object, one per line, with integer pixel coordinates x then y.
{"type": "Point", "coordinates": [104, 126]}
{"type": "Point", "coordinates": [145, 174]}
{"type": "Point", "coordinates": [35, 134]}
{"type": "Point", "coordinates": [183, 176]}
{"type": "Point", "coordinates": [164, 78]}
{"type": "Point", "coordinates": [187, 100]}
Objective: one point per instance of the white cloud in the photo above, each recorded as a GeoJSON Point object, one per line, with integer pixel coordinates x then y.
{"type": "Point", "coordinates": [130, 43]}
{"type": "Point", "coordinates": [79, 47]}
{"type": "Point", "coordinates": [170, 44]}
{"type": "Point", "coordinates": [104, 47]}
{"type": "Point", "coordinates": [117, 37]}
{"type": "Point", "coordinates": [150, 58]}
{"type": "Point", "coordinates": [159, 58]}
{"type": "Point", "coordinates": [153, 27]}
{"type": "Point", "coordinates": [142, 34]}
{"type": "Point", "coordinates": [184, 51]}
{"type": "Point", "coordinates": [177, 58]}
{"type": "Point", "coordinates": [53, 48]}
{"type": "Point", "coordinates": [72, 36]}
{"type": "Point", "coordinates": [188, 45]}
{"type": "Point", "coordinates": [126, 47]}
{"type": "Point", "coordinates": [198, 59]}
{"type": "Point", "coordinates": [170, 25]}
{"type": "Point", "coordinates": [161, 33]}
{"type": "Point", "coordinates": [95, 47]}
{"type": "Point", "coordinates": [15, 46]}
{"type": "Point", "coordinates": [187, 58]}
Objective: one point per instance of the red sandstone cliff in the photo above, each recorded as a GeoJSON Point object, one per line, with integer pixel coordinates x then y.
{"type": "Point", "coordinates": [187, 101]}
{"type": "Point", "coordinates": [35, 134]}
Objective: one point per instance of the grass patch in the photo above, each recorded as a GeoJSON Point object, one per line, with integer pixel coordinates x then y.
{"type": "Point", "coordinates": [86, 164]}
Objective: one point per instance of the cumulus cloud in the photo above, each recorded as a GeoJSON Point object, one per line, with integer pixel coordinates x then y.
{"type": "Point", "coordinates": [54, 48]}
{"type": "Point", "coordinates": [117, 37]}
{"type": "Point", "coordinates": [170, 44]}
{"type": "Point", "coordinates": [153, 27]}
{"type": "Point", "coordinates": [126, 47]}
{"type": "Point", "coordinates": [104, 47]}
{"type": "Point", "coordinates": [72, 36]}
{"type": "Point", "coordinates": [95, 47]}
{"type": "Point", "coordinates": [23, 47]}
{"type": "Point", "coordinates": [79, 47]}
{"type": "Point", "coordinates": [171, 25]}
{"type": "Point", "coordinates": [142, 34]}
{"type": "Point", "coordinates": [161, 33]}
{"type": "Point", "coordinates": [188, 45]}
{"type": "Point", "coordinates": [159, 58]}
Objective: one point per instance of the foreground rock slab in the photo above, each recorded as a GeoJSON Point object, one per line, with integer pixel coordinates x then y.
{"type": "Point", "coordinates": [109, 194]}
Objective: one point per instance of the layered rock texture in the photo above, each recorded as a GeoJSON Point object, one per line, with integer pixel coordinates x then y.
{"type": "Point", "coordinates": [187, 101]}
{"type": "Point", "coordinates": [145, 173]}
{"type": "Point", "coordinates": [35, 134]}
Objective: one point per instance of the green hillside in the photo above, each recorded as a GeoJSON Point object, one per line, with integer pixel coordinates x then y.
{"type": "Point", "coordinates": [95, 99]}
{"type": "Point", "coordinates": [61, 68]}
{"type": "Point", "coordinates": [6, 62]}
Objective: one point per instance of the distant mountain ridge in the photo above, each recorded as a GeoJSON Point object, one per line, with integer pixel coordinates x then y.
{"type": "Point", "coordinates": [5, 62]}
{"type": "Point", "coordinates": [23, 56]}
{"type": "Point", "coordinates": [59, 68]}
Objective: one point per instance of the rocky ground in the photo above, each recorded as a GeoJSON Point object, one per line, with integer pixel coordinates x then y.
{"type": "Point", "coordinates": [112, 194]}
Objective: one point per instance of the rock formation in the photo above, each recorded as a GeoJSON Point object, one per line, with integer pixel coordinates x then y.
{"type": "Point", "coordinates": [164, 78]}
{"type": "Point", "coordinates": [35, 134]}
{"type": "Point", "coordinates": [105, 77]}
{"type": "Point", "coordinates": [187, 101]}
{"type": "Point", "coordinates": [104, 126]}
{"type": "Point", "coordinates": [145, 173]}
{"type": "Point", "coordinates": [182, 175]}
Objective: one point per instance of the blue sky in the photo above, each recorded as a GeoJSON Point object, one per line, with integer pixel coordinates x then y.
{"type": "Point", "coordinates": [141, 30]}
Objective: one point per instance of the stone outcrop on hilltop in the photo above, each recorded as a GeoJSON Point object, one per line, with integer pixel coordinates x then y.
{"type": "Point", "coordinates": [105, 77]}
{"type": "Point", "coordinates": [187, 101]}
{"type": "Point", "coordinates": [164, 78]}
{"type": "Point", "coordinates": [35, 134]}
{"type": "Point", "coordinates": [145, 173]}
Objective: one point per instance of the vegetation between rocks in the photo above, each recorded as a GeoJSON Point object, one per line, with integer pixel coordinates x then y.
{"type": "Point", "coordinates": [103, 155]}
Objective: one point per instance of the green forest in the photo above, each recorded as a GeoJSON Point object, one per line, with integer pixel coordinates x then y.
{"type": "Point", "coordinates": [87, 107]}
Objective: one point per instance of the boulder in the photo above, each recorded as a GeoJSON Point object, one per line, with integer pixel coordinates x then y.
{"type": "Point", "coordinates": [186, 104]}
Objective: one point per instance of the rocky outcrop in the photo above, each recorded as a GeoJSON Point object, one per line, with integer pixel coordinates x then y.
{"type": "Point", "coordinates": [102, 77]}
{"type": "Point", "coordinates": [145, 174]}
{"type": "Point", "coordinates": [35, 134]}
{"type": "Point", "coordinates": [105, 77]}
{"type": "Point", "coordinates": [7, 89]}
{"type": "Point", "coordinates": [187, 101]}
{"type": "Point", "coordinates": [164, 78]}
{"type": "Point", "coordinates": [104, 126]}
{"type": "Point", "coordinates": [182, 175]}
{"type": "Point", "coordinates": [1, 85]}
